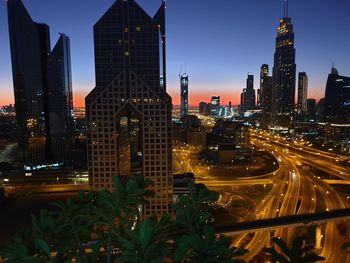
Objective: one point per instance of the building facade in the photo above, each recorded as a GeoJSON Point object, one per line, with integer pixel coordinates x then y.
{"type": "Point", "coordinates": [284, 75]}
{"type": "Point", "coordinates": [184, 95]}
{"type": "Point", "coordinates": [215, 105]}
{"type": "Point", "coordinates": [302, 94]}
{"type": "Point", "coordinates": [337, 98]}
{"type": "Point", "coordinates": [129, 113]}
{"type": "Point", "coordinates": [34, 85]}
{"type": "Point", "coordinates": [266, 96]}
{"type": "Point", "coordinates": [264, 72]}
{"type": "Point", "coordinates": [311, 108]}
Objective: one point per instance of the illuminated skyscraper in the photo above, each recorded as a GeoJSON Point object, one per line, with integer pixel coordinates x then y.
{"type": "Point", "coordinates": [129, 113]}
{"type": "Point", "coordinates": [264, 71]}
{"type": "Point", "coordinates": [266, 96]}
{"type": "Point", "coordinates": [184, 95]}
{"type": "Point", "coordinates": [215, 105]}
{"type": "Point", "coordinates": [302, 94]}
{"type": "Point", "coordinates": [284, 74]}
{"type": "Point", "coordinates": [42, 87]}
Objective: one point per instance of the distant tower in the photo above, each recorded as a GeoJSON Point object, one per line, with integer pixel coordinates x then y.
{"type": "Point", "coordinates": [248, 95]}
{"type": "Point", "coordinates": [184, 95]}
{"type": "Point", "coordinates": [215, 105]}
{"type": "Point", "coordinates": [266, 96]}
{"type": "Point", "coordinates": [284, 74]}
{"type": "Point", "coordinates": [129, 113]}
{"type": "Point", "coordinates": [302, 94]}
{"type": "Point", "coordinates": [264, 71]}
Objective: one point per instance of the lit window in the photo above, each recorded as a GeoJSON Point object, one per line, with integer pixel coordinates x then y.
{"type": "Point", "coordinates": [138, 29]}
{"type": "Point", "coordinates": [126, 53]}
{"type": "Point", "coordinates": [126, 29]}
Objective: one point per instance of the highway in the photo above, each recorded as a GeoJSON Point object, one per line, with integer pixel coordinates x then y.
{"type": "Point", "coordinates": [327, 162]}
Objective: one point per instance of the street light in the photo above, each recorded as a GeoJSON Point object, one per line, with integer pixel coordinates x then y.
{"type": "Point", "coordinates": [264, 188]}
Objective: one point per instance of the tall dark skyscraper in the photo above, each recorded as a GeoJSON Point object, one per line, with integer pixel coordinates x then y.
{"type": "Point", "coordinates": [337, 98]}
{"type": "Point", "coordinates": [60, 100]}
{"type": "Point", "coordinates": [302, 93]}
{"type": "Point", "coordinates": [34, 85]}
{"type": "Point", "coordinates": [184, 95]}
{"type": "Point", "coordinates": [266, 96]}
{"type": "Point", "coordinates": [248, 95]}
{"type": "Point", "coordinates": [284, 74]}
{"type": "Point", "coordinates": [129, 113]}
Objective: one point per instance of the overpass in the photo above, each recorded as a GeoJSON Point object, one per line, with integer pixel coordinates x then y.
{"type": "Point", "coordinates": [286, 221]}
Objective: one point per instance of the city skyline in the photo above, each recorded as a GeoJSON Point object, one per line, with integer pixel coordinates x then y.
{"type": "Point", "coordinates": [225, 75]}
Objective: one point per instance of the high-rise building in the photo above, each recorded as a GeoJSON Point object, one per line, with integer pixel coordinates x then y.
{"type": "Point", "coordinates": [184, 95]}
{"type": "Point", "coordinates": [311, 108]}
{"type": "Point", "coordinates": [302, 93]}
{"type": "Point", "coordinates": [248, 95]}
{"type": "Point", "coordinates": [284, 74]}
{"type": "Point", "coordinates": [320, 108]}
{"type": "Point", "coordinates": [264, 71]}
{"type": "Point", "coordinates": [202, 108]}
{"type": "Point", "coordinates": [60, 101]}
{"type": "Point", "coordinates": [266, 96]}
{"type": "Point", "coordinates": [337, 98]}
{"type": "Point", "coordinates": [215, 105]}
{"type": "Point", "coordinates": [249, 100]}
{"type": "Point", "coordinates": [129, 113]}
{"type": "Point", "coordinates": [37, 78]}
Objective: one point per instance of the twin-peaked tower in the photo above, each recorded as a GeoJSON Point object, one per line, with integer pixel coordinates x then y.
{"type": "Point", "coordinates": [129, 113]}
{"type": "Point", "coordinates": [284, 74]}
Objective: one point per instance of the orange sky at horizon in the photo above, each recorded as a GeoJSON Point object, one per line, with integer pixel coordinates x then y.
{"type": "Point", "coordinates": [195, 97]}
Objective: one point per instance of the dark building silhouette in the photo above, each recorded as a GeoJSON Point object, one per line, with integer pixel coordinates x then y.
{"type": "Point", "coordinates": [184, 95]}
{"type": "Point", "coordinates": [320, 109]}
{"type": "Point", "coordinates": [129, 113]}
{"type": "Point", "coordinates": [60, 101]}
{"type": "Point", "coordinates": [302, 94]}
{"type": "Point", "coordinates": [284, 74]}
{"type": "Point", "coordinates": [337, 98]}
{"type": "Point", "coordinates": [311, 108]}
{"type": "Point", "coordinates": [248, 95]}
{"type": "Point", "coordinates": [266, 96]}
{"type": "Point", "coordinates": [33, 84]}
{"type": "Point", "coordinates": [203, 108]}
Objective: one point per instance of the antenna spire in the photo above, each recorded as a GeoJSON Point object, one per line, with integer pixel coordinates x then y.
{"type": "Point", "coordinates": [285, 8]}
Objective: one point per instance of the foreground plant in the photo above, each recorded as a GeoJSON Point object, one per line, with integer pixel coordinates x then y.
{"type": "Point", "coordinates": [105, 227]}
{"type": "Point", "coordinates": [299, 252]}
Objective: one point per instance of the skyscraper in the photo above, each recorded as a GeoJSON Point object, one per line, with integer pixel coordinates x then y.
{"type": "Point", "coordinates": [34, 85]}
{"type": "Point", "coordinates": [337, 98]}
{"type": "Point", "coordinates": [302, 93]}
{"type": "Point", "coordinates": [266, 96]}
{"type": "Point", "coordinates": [284, 74]}
{"type": "Point", "coordinates": [249, 100]}
{"type": "Point", "coordinates": [215, 105]}
{"type": "Point", "coordinates": [311, 108]}
{"type": "Point", "coordinates": [60, 101]}
{"type": "Point", "coordinates": [264, 71]}
{"type": "Point", "coordinates": [184, 95]}
{"type": "Point", "coordinates": [129, 113]}
{"type": "Point", "coordinates": [248, 95]}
